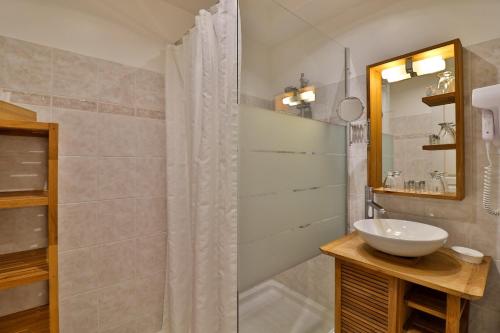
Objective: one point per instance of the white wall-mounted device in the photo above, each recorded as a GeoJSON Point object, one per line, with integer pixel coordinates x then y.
{"type": "Point", "coordinates": [487, 99]}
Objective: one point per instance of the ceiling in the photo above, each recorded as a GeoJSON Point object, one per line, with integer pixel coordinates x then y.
{"type": "Point", "coordinates": [192, 6]}
{"type": "Point", "coordinates": [274, 21]}
{"type": "Point", "coordinates": [268, 21]}
{"type": "Point", "coordinates": [166, 20]}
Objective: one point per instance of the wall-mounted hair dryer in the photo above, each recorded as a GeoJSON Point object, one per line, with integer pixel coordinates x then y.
{"type": "Point", "coordinates": [487, 99]}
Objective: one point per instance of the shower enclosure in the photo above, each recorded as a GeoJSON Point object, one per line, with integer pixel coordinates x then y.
{"type": "Point", "coordinates": [292, 171]}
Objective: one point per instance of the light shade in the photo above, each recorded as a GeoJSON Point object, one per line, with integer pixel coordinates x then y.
{"type": "Point", "coordinates": [303, 95]}
{"type": "Point", "coordinates": [429, 65]}
{"type": "Point", "coordinates": [308, 96]}
{"type": "Point", "coordinates": [394, 74]}
{"type": "Point", "coordinates": [421, 67]}
{"type": "Point", "coordinates": [292, 100]}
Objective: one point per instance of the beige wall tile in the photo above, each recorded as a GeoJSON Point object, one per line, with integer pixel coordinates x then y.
{"type": "Point", "coordinates": [483, 320]}
{"type": "Point", "coordinates": [117, 135]}
{"type": "Point", "coordinates": [27, 66]}
{"type": "Point", "coordinates": [150, 137]}
{"type": "Point", "coordinates": [79, 226]}
{"type": "Point", "coordinates": [117, 303]}
{"type": "Point", "coordinates": [151, 176]}
{"type": "Point", "coordinates": [78, 272]}
{"type": "Point", "coordinates": [150, 215]}
{"type": "Point", "coordinates": [79, 314]}
{"type": "Point", "coordinates": [149, 324]}
{"type": "Point", "coordinates": [492, 296]}
{"type": "Point", "coordinates": [75, 75]}
{"type": "Point", "coordinates": [77, 179]}
{"type": "Point", "coordinates": [151, 252]}
{"type": "Point", "coordinates": [115, 262]}
{"type": "Point", "coordinates": [127, 326]}
{"type": "Point", "coordinates": [78, 132]}
{"type": "Point", "coordinates": [117, 177]}
{"type": "Point", "coordinates": [115, 83]}
{"type": "Point", "coordinates": [150, 296]}
{"type": "Point", "coordinates": [149, 90]}
{"type": "Point", "coordinates": [116, 219]}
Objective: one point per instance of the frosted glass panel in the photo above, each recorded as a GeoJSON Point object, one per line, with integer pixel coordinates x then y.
{"type": "Point", "coordinates": [292, 195]}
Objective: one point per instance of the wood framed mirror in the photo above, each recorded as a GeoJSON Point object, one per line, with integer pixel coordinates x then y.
{"type": "Point", "coordinates": [416, 115]}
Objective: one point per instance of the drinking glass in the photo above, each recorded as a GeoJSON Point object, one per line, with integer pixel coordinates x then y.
{"type": "Point", "coordinates": [438, 182]}
{"type": "Point", "coordinates": [389, 181]}
{"type": "Point", "coordinates": [447, 133]}
{"type": "Point", "coordinates": [446, 82]}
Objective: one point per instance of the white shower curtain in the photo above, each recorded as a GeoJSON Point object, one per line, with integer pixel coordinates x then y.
{"type": "Point", "coordinates": [202, 133]}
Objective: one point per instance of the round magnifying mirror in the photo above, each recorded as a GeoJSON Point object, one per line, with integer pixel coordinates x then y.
{"type": "Point", "coordinates": [350, 109]}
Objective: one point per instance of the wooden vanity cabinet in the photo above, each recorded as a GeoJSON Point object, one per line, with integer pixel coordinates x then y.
{"type": "Point", "coordinates": [379, 293]}
{"type": "Point", "coordinates": [365, 301]}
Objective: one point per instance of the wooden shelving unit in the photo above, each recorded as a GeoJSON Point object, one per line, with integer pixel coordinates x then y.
{"type": "Point", "coordinates": [424, 323]}
{"type": "Point", "coordinates": [30, 321]}
{"type": "Point", "coordinates": [449, 146]}
{"type": "Point", "coordinates": [23, 199]}
{"type": "Point", "coordinates": [442, 99]}
{"type": "Point", "coordinates": [21, 268]}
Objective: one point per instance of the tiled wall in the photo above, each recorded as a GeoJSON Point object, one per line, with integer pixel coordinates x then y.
{"type": "Point", "coordinates": [111, 185]}
{"type": "Point", "coordinates": [466, 221]}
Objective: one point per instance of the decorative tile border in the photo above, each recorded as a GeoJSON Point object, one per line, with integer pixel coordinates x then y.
{"type": "Point", "coordinates": [27, 98]}
{"type": "Point", "coordinates": [75, 104]}
{"type": "Point", "coordinates": [150, 114]}
{"type": "Point", "coordinates": [115, 109]}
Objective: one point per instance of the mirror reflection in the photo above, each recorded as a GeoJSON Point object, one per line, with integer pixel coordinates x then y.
{"type": "Point", "coordinates": [418, 140]}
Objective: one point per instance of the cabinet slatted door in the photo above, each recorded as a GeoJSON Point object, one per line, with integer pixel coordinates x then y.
{"type": "Point", "coordinates": [364, 300]}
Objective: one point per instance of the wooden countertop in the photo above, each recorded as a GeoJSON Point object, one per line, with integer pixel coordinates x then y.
{"type": "Point", "coordinates": [441, 270]}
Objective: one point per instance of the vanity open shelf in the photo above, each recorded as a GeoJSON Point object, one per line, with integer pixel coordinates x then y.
{"type": "Point", "coordinates": [427, 300]}
{"type": "Point", "coordinates": [424, 323]}
{"type": "Point", "coordinates": [448, 146]}
{"type": "Point", "coordinates": [442, 99]}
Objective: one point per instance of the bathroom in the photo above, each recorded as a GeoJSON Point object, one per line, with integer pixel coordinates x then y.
{"type": "Point", "coordinates": [168, 179]}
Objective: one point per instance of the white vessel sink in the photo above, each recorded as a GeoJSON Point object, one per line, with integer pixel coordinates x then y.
{"type": "Point", "coordinates": [401, 238]}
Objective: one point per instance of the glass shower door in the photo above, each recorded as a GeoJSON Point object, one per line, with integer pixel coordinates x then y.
{"type": "Point", "coordinates": [292, 173]}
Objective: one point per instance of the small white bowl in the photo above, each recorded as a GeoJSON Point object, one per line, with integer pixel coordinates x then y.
{"type": "Point", "coordinates": [468, 255]}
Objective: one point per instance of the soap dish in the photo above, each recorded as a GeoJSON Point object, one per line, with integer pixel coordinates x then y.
{"type": "Point", "coordinates": [468, 255]}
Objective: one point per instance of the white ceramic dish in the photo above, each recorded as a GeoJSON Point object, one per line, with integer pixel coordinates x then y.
{"type": "Point", "coordinates": [401, 238]}
{"type": "Point", "coordinates": [468, 255]}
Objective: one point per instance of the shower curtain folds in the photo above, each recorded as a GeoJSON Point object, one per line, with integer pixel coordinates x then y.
{"type": "Point", "coordinates": [202, 134]}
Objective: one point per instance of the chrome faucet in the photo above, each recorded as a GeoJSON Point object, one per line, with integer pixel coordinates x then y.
{"type": "Point", "coordinates": [369, 203]}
